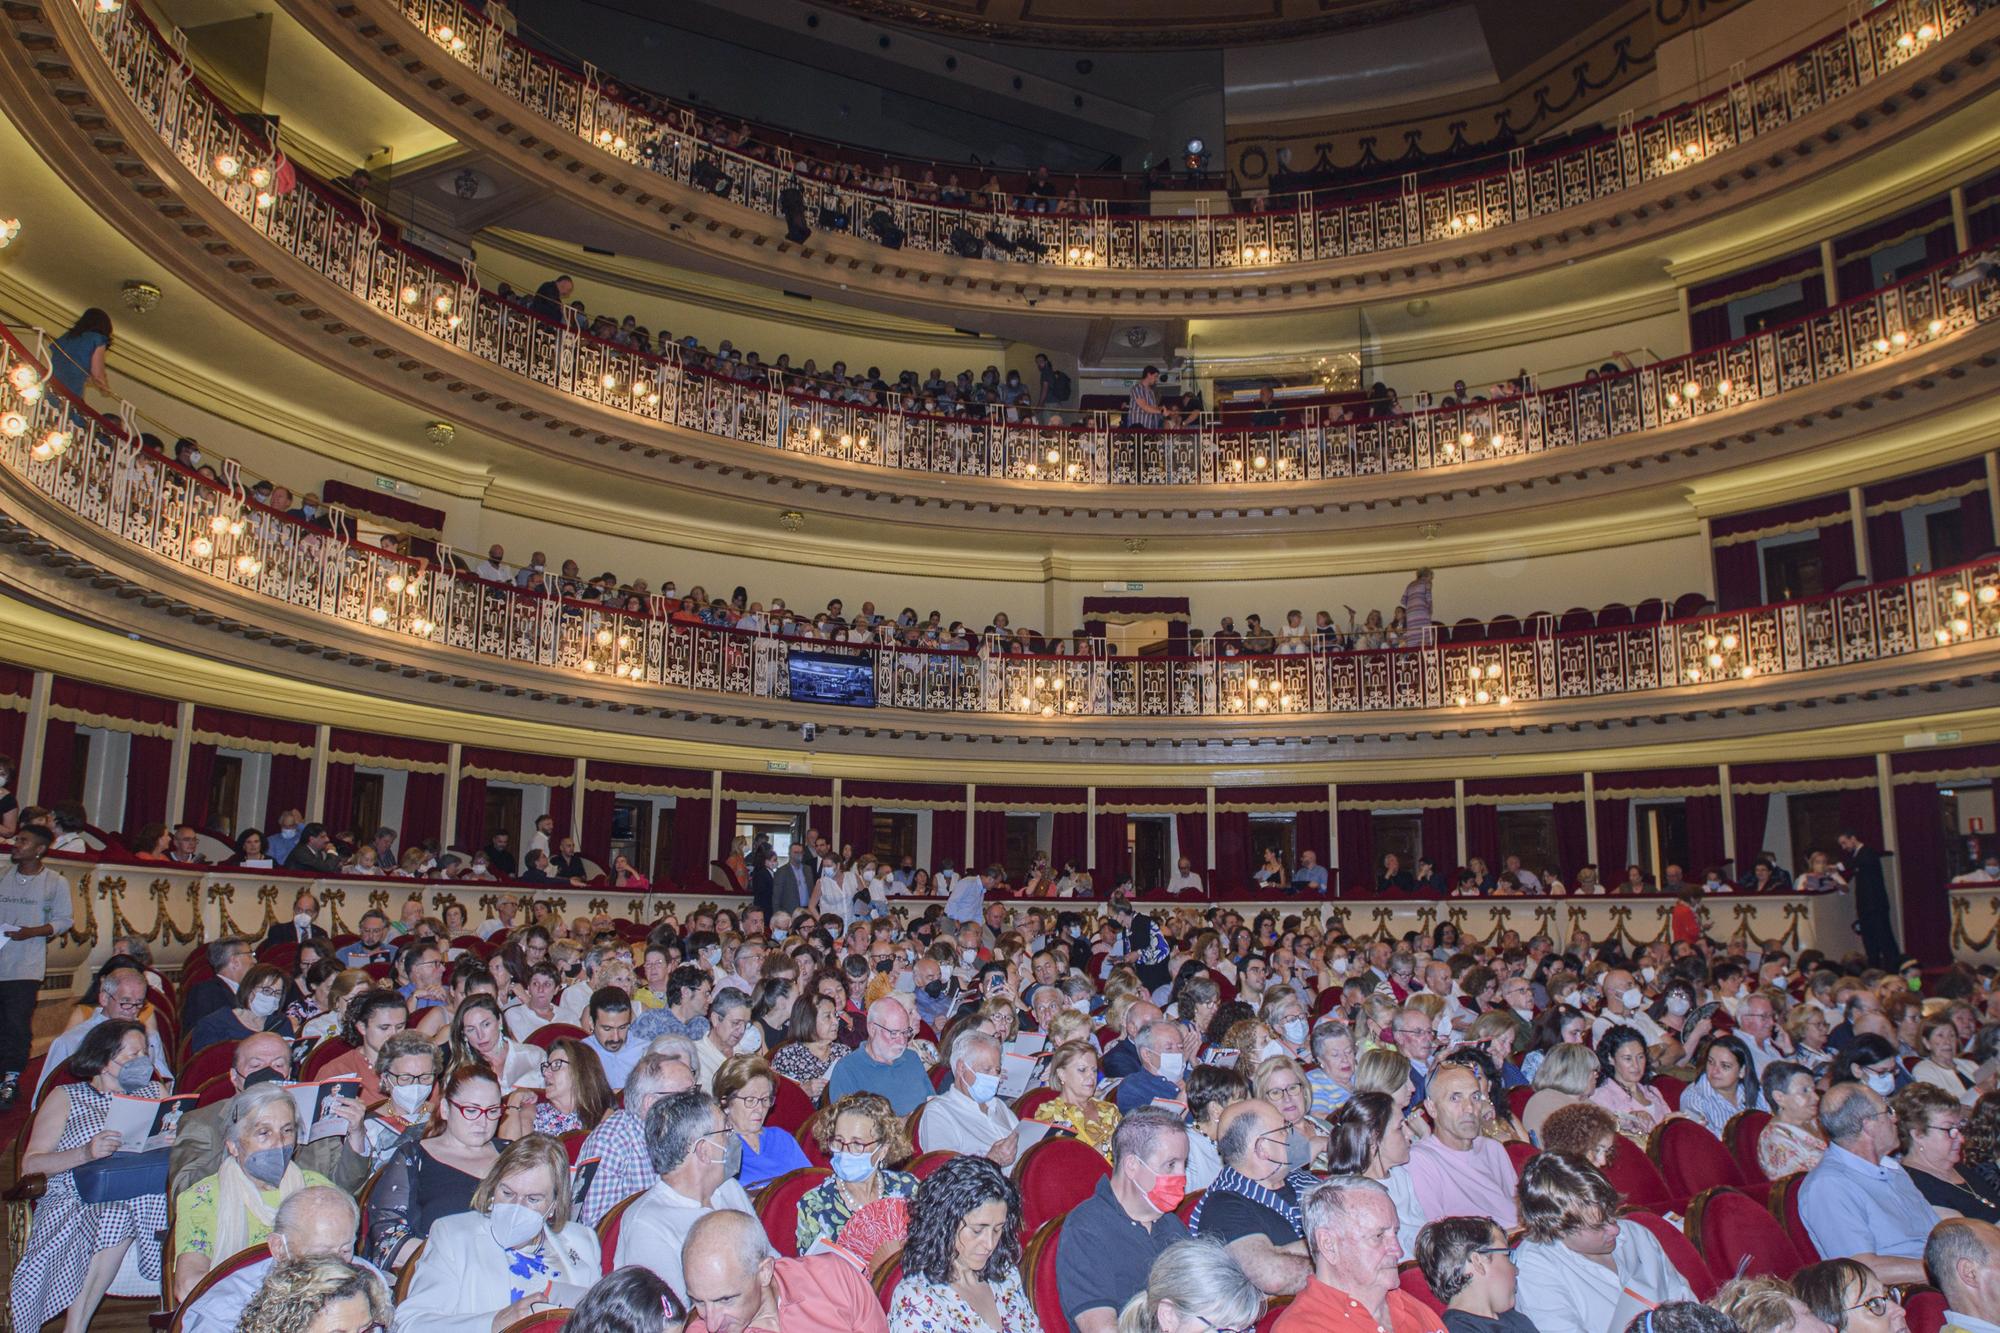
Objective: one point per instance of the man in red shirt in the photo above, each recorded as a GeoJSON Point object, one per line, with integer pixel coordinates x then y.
{"type": "Point", "coordinates": [735, 1282]}
{"type": "Point", "coordinates": [1351, 1231]}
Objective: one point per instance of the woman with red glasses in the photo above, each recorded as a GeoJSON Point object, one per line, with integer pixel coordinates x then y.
{"type": "Point", "coordinates": [434, 1176]}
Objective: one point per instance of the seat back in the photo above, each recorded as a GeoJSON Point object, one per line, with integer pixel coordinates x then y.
{"type": "Point", "coordinates": [1740, 1136]}
{"type": "Point", "coordinates": [1680, 1251]}
{"type": "Point", "coordinates": [1690, 1158]}
{"type": "Point", "coordinates": [792, 1108]}
{"type": "Point", "coordinates": [608, 1227]}
{"type": "Point", "coordinates": [1783, 1202]}
{"type": "Point", "coordinates": [1055, 1176]}
{"type": "Point", "coordinates": [1735, 1235]}
{"type": "Point", "coordinates": [1040, 1262]}
{"type": "Point", "coordinates": [1635, 1177]}
{"type": "Point", "coordinates": [778, 1207]}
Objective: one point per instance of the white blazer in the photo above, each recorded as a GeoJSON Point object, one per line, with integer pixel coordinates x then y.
{"type": "Point", "coordinates": [463, 1277]}
{"type": "Point", "coordinates": [1563, 1292]}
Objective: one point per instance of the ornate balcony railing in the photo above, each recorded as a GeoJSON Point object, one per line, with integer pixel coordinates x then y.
{"type": "Point", "coordinates": [318, 226]}
{"type": "Point", "coordinates": [1329, 224]}
{"type": "Point", "coordinates": [93, 471]}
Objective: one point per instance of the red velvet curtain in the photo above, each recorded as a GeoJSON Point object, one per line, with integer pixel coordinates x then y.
{"type": "Point", "coordinates": [690, 862]}
{"type": "Point", "coordinates": [471, 800]}
{"type": "Point", "coordinates": [1440, 837]}
{"type": "Point", "coordinates": [1919, 871]}
{"type": "Point", "coordinates": [200, 776]}
{"type": "Point", "coordinates": [1613, 853]}
{"type": "Point", "coordinates": [59, 777]}
{"type": "Point", "coordinates": [1572, 838]}
{"type": "Point", "coordinates": [1069, 839]}
{"type": "Point", "coordinates": [1738, 581]}
{"type": "Point", "coordinates": [948, 837]}
{"type": "Point", "coordinates": [146, 774]}
{"type": "Point", "coordinates": [1232, 851]}
{"type": "Point", "coordinates": [291, 782]}
{"type": "Point", "coordinates": [1113, 858]}
{"type": "Point", "coordinates": [1191, 831]}
{"type": "Point", "coordinates": [595, 839]}
{"type": "Point", "coordinates": [338, 811]}
{"type": "Point", "coordinates": [1704, 835]}
{"type": "Point", "coordinates": [1751, 810]}
{"type": "Point", "coordinates": [989, 839]}
{"type": "Point", "coordinates": [423, 809]}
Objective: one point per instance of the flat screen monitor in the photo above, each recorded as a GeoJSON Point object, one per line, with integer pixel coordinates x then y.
{"type": "Point", "coordinates": [828, 678]}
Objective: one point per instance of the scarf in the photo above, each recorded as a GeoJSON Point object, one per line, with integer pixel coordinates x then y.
{"type": "Point", "coordinates": [238, 1199]}
{"type": "Point", "coordinates": [1230, 1182]}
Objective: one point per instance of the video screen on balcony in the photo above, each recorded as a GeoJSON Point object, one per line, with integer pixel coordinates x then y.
{"type": "Point", "coordinates": [822, 678]}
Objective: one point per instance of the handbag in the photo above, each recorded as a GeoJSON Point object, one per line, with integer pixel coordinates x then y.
{"type": "Point", "coordinates": [122, 1176]}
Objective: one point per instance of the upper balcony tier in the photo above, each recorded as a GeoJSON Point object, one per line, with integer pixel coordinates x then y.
{"type": "Point", "coordinates": [656, 170]}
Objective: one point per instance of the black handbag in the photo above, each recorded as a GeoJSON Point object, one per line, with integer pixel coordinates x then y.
{"type": "Point", "coordinates": [122, 1176]}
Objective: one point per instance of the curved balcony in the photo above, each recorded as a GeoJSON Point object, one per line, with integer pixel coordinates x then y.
{"type": "Point", "coordinates": [651, 165]}
{"type": "Point", "coordinates": [91, 474]}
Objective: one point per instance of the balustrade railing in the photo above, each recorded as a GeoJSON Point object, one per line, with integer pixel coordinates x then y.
{"type": "Point", "coordinates": [1327, 224]}
{"type": "Point", "coordinates": [318, 226]}
{"type": "Point", "coordinates": [94, 471]}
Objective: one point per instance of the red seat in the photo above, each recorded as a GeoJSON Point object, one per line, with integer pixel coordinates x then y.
{"type": "Point", "coordinates": [1635, 1177]}
{"type": "Point", "coordinates": [322, 1055]}
{"type": "Point", "coordinates": [548, 1034]}
{"type": "Point", "coordinates": [1670, 1090]}
{"type": "Point", "coordinates": [1784, 1205]}
{"type": "Point", "coordinates": [1411, 1279]}
{"type": "Point", "coordinates": [1031, 1101]}
{"type": "Point", "coordinates": [778, 1207]}
{"type": "Point", "coordinates": [1737, 1236]}
{"type": "Point", "coordinates": [1691, 1159]}
{"type": "Point", "coordinates": [1040, 1262]}
{"type": "Point", "coordinates": [1741, 1135]}
{"type": "Point", "coordinates": [1518, 1099]}
{"type": "Point", "coordinates": [608, 1227]}
{"type": "Point", "coordinates": [791, 1108]}
{"type": "Point", "coordinates": [235, 1263]}
{"type": "Point", "coordinates": [1055, 1176]}
{"type": "Point", "coordinates": [1924, 1308]}
{"type": "Point", "coordinates": [925, 1163]}
{"type": "Point", "coordinates": [206, 1063]}
{"type": "Point", "coordinates": [1680, 1251]}
{"type": "Point", "coordinates": [1520, 1154]}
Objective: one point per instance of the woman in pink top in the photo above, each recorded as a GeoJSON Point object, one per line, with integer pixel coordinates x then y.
{"type": "Point", "coordinates": [1626, 1064]}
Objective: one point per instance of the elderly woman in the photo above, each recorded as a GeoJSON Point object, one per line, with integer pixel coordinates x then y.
{"type": "Point", "coordinates": [317, 1296]}
{"type": "Point", "coordinates": [1792, 1141]}
{"type": "Point", "coordinates": [1195, 1286]}
{"type": "Point", "coordinates": [1846, 1295]}
{"type": "Point", "coordinates": [1566, 1076]}
{"type": "Point", "coordinates": [1281, 1081]}
{"type": "Point", "coordinates": [865, 1205]}
{"type": "Point", "coordinates": [1583, 1129]}
{"type": "Point", "coordinates": [1943, 1067]}
{"type": "Point", "coordinates": [1727, 1086]}
{"type": "Point", "coordinates": [962, 1262]}
{"type": "Point", "coordinates": [75, 1248]}
{"type": "Point", "coordinates": [261, 1000]}
{"type": "Point", "coordinates": [1626, 1085]}
{"type": "Point", "coordinates": [479, 1037]}
{"type": "Point", "coordinates": [1578, 1259]}
{"type": "Point", "coordinates": [1371, 1138]}
{"type": "Point", "coordinates": [435, 1175]}
{"type": "Point", "coordinates": [1076, 1106]}
{"type": "Point", "coordinates": [809, 1057]}
{"type": "Point", "coordinates": [236, 1207]}
{"type": "Point", "coordinates": [1930, 1126]}
{"type": "Point", "coordinates": [746, 1089]}
{"type": "Point", "coordinates": [517, 1252]}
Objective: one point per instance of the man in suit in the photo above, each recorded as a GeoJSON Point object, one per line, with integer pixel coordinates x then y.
{"type": "Point", "coordinates": [231, 957]}
{"type": "Point", "coordinates": [763, 879]}
{"type": "Point", "coordinates": [791, 888]}
{"type": "Point", "coordinates": [261, 1058]}
{"type": "Point", "coordinates": [1871, 901]}
{"type": "Point", "coordinates": [315, 853]}
{"type": "Point", "coordinates": [301, 927]}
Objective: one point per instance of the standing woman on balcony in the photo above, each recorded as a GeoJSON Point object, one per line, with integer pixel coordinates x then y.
{"type": "Point", "coordinates": [76, 359]}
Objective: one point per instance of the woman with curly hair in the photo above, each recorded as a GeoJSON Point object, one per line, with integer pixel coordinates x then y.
{"type": "Point", "coordinates": [962, 1262]}
{"type": "Point", "coordinates": [316, 1296]}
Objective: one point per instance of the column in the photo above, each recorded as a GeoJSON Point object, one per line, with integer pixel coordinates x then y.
{"type": "Point", "coordinates": [1590, 822]}
{"type": "Point", "coordinates": [1090, 826]}
{"type": "Point", "coordinates": [1885, 792]}
{"type": "Point", "coordinates": [1458, 819]}
{"type": "Point", "coordinates": [316, 782]}
{"type": "Point", "coordinates": [1857, 519]}
{"type": "Point", "coordinates": [971, 816]}
{"type": "Point", "coordinates": [715, 819]}
{"type": "Point", "coordinates": [1961, 228]}
{"type": "Point", "coordinates": [578, 775]}
{"type": "Point", "coordinates": [1728, 817]}
{"type": "Point", "coordinates": [453, 760]}
{"type": "Point", "coordinates": [177, 766]}
{"type": "Point", "coordinates": [34, 737]}
{"type": "Point", "coordinates": [1831, 271]}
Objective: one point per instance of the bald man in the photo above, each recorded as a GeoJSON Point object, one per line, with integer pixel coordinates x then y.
{"type": "Point", "coordinates": [261, 1058]}
{"type": "Point", "coordinates": [734, 1281]}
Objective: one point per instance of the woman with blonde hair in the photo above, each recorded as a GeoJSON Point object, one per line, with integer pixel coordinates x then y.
{"type": "Point", "coordinates": [1076, 1107]}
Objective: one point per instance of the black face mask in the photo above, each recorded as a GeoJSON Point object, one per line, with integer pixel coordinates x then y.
{"type": "Point", "coordinates": [934, 989]}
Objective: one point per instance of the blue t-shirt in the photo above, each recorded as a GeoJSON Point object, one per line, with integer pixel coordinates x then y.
{"type": "Point", "coordinates": [69, 359]}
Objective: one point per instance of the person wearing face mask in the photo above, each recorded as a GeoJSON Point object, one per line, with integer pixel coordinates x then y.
{"type": "Point", "coordinates": [695, 1157]}
{"type": "Point", "coordinates": [1253, 1207]}
{"type": "Point", "coordinates": [969, 1117]}
{"type": "Point", "coordinates": [518, 1252]}
{"type": "Point", "coordinates": [316, 1223]}
{"type": "Point", "coordinates": [1162, 1063]}
{"type": "Point", "coordinates": [236, 1207]}
{"type": "Point", "coordinates": [74, 1249]}
{"type": "Point", "coordinates": [258, 1008]}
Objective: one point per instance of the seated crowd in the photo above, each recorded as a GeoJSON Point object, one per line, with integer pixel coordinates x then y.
{"type": "Point", "coordinates": [788, 1119]}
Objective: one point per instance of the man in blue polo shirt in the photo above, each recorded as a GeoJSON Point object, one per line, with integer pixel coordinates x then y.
{"type": "Point", "coordinates": [1857, 1205]}
{"type": "Point", "coordinates": [1108, 1242]}
{"type": "Point", "coordinates": [884, 1063]}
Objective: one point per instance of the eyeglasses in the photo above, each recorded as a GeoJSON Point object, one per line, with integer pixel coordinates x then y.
{"type": "Point", "coordinates": [477, 1112]}
{"type": "Point", "coordinates": [1879, 1305]}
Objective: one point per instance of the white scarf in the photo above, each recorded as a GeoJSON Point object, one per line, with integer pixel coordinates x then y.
{"type": "Point", "coordinates": [238, 1198]}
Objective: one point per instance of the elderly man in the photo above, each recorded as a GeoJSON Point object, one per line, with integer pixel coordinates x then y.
{"type": "Point", "coordinates": [1121, 1058]}
{"type": "Point", "coordinates": [1858, 1203]}
{"type": "Point", "coordinates": [1127, 1221]}
{"type": "Point", "coordinates": [121, 994]}
{"type": "Point", "coordinates": [318, 1222]}
{"type": "Point", "coordinates": [969, 1116]}
{"type": "Point", "coordinates": [373, 946]}
{"type": "Point", "coordinates": [1162, 1065]}
{"type": "Point", "coordinates": [1254, 1205]}
{"type": "Point", "coordinates": [1456, 1171]}
{"type": "Point", "coordinates": [735, 1282]}
{"type": "Point", "coordinates": [264, 1057]}
{"type": "Point", "coordinates": [884, 1063]}
{"type": "Point", "coordinates": [624, 1166]}
{"type": "Point", "coordinates": [1350, 1227]}
{"type": "Point", "coordinates": [1757, 1024]}
{"type": "Point", "coordinates": [694, 1163]}
{"type": "Point", "coordinates": [1963, 1256]}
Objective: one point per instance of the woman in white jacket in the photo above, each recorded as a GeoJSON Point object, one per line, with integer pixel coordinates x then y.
{"type": "Point", "coordinates": [515, 1254]}
{"type": "Point", "coordinates": [1582, 1269]}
